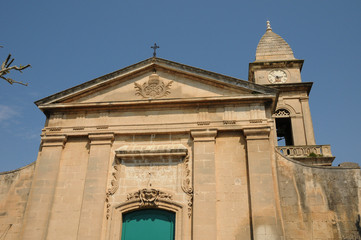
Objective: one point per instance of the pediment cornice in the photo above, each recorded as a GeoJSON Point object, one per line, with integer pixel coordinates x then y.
{"type": "Point", "coordinates": [149, 65]}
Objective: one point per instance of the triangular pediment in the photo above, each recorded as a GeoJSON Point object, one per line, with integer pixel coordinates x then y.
{"type": "Point", "coordinates": [155, 78]}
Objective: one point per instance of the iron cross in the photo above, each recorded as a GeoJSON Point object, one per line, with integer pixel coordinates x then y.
{"type": "Point", "coordinates": [155, 49]}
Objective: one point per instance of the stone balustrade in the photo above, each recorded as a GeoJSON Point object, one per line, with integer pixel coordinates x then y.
{"type": "Point", "coordinates": [306, 151]}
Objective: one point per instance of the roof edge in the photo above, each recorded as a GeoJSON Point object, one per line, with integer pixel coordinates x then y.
{"type": "Point", "coordinates": [166, 63]}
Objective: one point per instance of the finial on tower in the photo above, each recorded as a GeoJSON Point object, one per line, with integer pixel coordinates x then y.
{"type": "Point", "coordinates": [269, 25]}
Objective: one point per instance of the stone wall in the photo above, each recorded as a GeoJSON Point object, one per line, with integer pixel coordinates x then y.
{"type": "Point", "coordinates": [14, 192]}
{"type": "Point", "coordinates": [319, 202]}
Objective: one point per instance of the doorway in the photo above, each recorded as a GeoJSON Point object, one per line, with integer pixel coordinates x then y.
{"type": "Point", "coordinates": [148, 224]}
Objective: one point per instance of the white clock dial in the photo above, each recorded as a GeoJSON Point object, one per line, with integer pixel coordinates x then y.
{"type": "Point", "coordinates": [277, 76]}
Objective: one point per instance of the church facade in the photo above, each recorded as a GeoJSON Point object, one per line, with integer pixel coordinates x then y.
{"type": "Point", "coordinates": [162, 150]}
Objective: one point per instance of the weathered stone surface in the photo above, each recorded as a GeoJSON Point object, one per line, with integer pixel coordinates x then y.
{"type": "Point", "coordinates": [14, 192]}
{"type": "Point", "coordinates": [319, 202]}
{"type": "Point", "coordinates": [349, 165]}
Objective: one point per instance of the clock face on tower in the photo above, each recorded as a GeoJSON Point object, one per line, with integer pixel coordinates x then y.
{"type": "Point", "coordinates": [277, 76]}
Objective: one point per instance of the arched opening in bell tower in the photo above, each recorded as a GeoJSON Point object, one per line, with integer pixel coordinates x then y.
{"type": "Point", "coordinates": [283, 127]}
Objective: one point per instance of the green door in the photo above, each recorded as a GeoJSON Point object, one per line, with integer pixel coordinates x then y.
{"type": "Point", "coordinates": [148, 224]}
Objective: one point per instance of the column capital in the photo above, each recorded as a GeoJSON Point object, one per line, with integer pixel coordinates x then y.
{"type": "Point", "coordinates": [257, 133]}
{"type": "Point", "coordinates": [53, 141]}
{"type": "Point", "coordinates": [101, 138]}
{"type": "Point", "coordinates": [204, 135]}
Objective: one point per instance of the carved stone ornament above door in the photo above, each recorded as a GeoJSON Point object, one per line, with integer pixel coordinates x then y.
{"type": "Point", "coordinates": [149, 197]}
{"type": "Point", "coordinates": [153, 88]}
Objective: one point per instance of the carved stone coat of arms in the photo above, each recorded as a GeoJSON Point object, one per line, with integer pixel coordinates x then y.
{"type": "Point", "coordinates": [153, 88]}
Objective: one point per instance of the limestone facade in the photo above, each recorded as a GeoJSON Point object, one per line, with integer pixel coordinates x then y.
{"type": "Point", "coordinates": [164, 135]}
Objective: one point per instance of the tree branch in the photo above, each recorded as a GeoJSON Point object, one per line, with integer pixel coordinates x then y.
{"type": "Point", "coordinates": [6, 68]}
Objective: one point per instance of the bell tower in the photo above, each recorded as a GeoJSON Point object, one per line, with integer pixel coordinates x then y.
{"type": "Point", "coordinates": [276, 66]}
{"type": "Point", "coordinates": [275, 62]}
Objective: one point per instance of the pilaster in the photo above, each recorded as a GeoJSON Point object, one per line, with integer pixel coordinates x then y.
{"type": "Point", "coordinates": [43, 188]}
{"type": "Point", "coordinates": [204, 174]}
{"type": "Point", "coordinates": [298, 130]}
{"type": "Point", "coordinates": [307, 121]}
{"type": "Point", "coordinates": [92, 211]}
{"type": "Point", "coordinates": [263, 199]}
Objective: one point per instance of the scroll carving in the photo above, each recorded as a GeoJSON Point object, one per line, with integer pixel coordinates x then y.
{"type": "Point", "coordinates": [187, 185]}
{"type": "Point", "coordinates": [149, 197]}
{"type": "Point", "coordinates": [153, 88]}
{"type": "Point", "coordinates": [114, 187]}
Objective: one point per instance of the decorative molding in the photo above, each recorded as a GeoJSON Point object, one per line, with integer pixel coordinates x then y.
{"type": "Point", "coordinates": [257, 133]}
{"type": "Point", "coordinates": [115, 181]}
{"type": "Point", "coordinates": [187, 185]}
{"type": "Point", "coordinates": [204, 135]}
{"type": "Point", "coordinates": [229, 122]}
{"type": "Point", "coordinates": [255, 121]}
{"type": "Point", "coordinates": [203, 123]}
{"type": "Point", "coordinates": [53, 141]}
{"type": "Point", "coordinates": [54, 129]}
{"type": "Point", "coordinates": [149, 197]}
{"type": "Point", "coordinates": [101, 139]}
{"type": "Point", "coordinates": [102, 127]}
{"type": "Point", "coordinates": [282, 113]}
{"type": "Point", "coordinates": [153, 88]}
{"type": "Point", "coordinates": [119, 209]}
{"type": "Point", "coordinates": [156, 153]}
{"type": "Point", "coordinates": [114, 187]}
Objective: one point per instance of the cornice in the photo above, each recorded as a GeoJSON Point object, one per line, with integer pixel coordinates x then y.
{"type": "Point", "coordinates": [161, 102]}
{"type": "Point", "coordinates": [292, 87]}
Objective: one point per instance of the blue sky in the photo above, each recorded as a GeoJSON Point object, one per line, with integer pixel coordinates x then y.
{"type": "Point", "coordinates": [70, 42]}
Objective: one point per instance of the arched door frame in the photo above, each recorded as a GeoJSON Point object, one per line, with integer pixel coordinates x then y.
{"type": "Point", "coordinates": [116, 217]}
